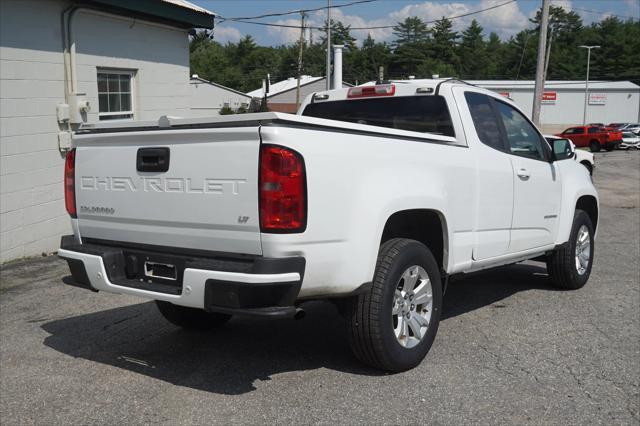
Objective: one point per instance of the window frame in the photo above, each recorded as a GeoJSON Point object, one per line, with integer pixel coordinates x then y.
{"type": "Point", "coordinates": [132, 87]}
{"type": "Point", "coordinates": [445, 103]}
{"type": "Point", "coordinates": [546, 147]}
{"type": "Point", "coordinates": [504, 147]}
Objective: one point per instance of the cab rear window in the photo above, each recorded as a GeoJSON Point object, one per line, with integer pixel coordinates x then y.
{"type": "Point", "coordinates": [425, 114]}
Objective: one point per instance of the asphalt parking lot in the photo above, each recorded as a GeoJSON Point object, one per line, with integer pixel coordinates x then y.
{"type": "Point", "coordinates": [510, 349]}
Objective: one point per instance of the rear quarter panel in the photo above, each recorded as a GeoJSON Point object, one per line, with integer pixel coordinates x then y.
{"type": "Point", "coordinates": [355, 183]}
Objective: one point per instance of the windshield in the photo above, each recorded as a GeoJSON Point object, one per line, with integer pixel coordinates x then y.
{"type": "Point", "coordinates": [425, 114]}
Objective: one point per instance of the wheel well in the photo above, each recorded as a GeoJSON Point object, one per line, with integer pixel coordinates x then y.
{"type": "Point", "coordinates": [588, 166]}
{"type": "Point", "coordinates": [589, 204]}
{"type": "Point", "coordinates": [426, 226]}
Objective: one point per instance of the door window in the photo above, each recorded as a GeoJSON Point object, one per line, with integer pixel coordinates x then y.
{"type": "Point", "coordinates": [524, 140]}
{"type": "Point", "coordinates": [484, 120]}
{"type": "Point", "coordinates": [573, 131]}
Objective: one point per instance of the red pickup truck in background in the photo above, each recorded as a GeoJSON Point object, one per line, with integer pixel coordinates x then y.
{"type": "Point", "coordinates": [594, 137]}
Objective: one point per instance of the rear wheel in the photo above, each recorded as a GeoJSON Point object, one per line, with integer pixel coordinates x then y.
{"type": "Point", "coordinates": [392, 326]}
{"type": "Point", "coordinates": [595, 146]}
{"type": "Point", "coordinates": [569, 267]}
{"type": "Point", "coordinates": [610, 147]}
{"type": "Point", "coordinates": [191, 318]}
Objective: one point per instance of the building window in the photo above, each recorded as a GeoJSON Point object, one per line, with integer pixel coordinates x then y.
{"type": "Point", "coordinates": [115, 94]}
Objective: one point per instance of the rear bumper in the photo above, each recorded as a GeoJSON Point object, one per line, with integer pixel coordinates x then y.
{"type": "Point", "coordinates": [216, 283]}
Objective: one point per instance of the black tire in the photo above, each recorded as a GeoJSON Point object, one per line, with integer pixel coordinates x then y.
{"type": "Point", "coordinates": [594, 146]}
{"type": "Point", "coordinates": [369, 315]}
{"type": "Point", "coordinates": [191, 318]}
{"type": "Point", "coordinates": [610, 147]}
{"type": "Point", "coordinates": [561, 264]}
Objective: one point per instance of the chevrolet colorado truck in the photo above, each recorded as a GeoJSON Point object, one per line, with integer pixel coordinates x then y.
{"type": "Point", "coordinates": [372, 196]}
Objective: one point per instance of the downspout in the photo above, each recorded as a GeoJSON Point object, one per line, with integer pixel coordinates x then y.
{"type": "Point", "coordinates": [69, 64]}
{"type": "Point", "coordinates": [66, 131]}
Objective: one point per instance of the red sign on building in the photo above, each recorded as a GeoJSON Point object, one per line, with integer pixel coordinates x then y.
{"type": "Point", "coordinates": [549, 97]}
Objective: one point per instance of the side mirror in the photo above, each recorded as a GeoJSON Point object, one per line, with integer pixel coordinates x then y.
{"type": "Point", "coordinates": [563, 149]}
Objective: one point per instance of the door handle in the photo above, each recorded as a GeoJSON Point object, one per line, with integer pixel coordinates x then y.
{"type": "Point", "coordinates": [523, 174]}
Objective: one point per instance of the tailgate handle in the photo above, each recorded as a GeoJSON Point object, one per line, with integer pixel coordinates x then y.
{"type": "Point", "coordinates": [152, 160]}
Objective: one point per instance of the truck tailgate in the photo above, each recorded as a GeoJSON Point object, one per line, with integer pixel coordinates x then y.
{"type": "Point", "coordinates": [207, 198]}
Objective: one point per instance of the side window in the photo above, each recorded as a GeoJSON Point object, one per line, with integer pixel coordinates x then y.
{"type": "Point", "coordinates": [523, 138]}
{"type": "Point", "coordinates": [593, 130]}
{"type": "Point", "coordinates": [484, 120]}
{"type": "Point", "coordinates": [573, 131]}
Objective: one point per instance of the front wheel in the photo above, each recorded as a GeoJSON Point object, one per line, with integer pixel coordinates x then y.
{"type": "Point", "coordinates": [191, 318]}
{"type": "Point", "coordinates": [569, 267]}
{"type": "Point", "coordinates": [393, 325]}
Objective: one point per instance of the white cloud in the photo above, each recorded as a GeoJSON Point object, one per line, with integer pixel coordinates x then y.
{"type": "Point", "coordinates": [284, 34]}
{"type": "Point", "coordinates": [505, 21]}
{"type": "Point", "coordinates": [223, 34]}
{"type": "Point", "coordinates": [565, 4]}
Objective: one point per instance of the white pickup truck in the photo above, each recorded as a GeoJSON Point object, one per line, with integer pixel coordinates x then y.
{"type": "Point", "coordinates": [371, 196]}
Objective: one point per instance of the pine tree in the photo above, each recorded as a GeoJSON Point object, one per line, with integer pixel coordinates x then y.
{"type": "Point", "coordinates": [443, 48]}
{"type": "Point", "coordinates": [411, 30]}
{"type": "Point", "coordinates": [473, 53]}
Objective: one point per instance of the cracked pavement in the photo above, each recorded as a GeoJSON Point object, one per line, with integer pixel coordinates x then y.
{"type": "Point", "coordinates": [510, 349]}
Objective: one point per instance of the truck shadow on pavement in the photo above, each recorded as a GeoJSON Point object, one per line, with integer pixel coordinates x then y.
{"type": "Point", "coordinates": [232, 360]}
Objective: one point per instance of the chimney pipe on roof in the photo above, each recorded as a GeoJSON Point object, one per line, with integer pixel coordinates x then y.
{"type": "Point", "coordinates": [337, 66]}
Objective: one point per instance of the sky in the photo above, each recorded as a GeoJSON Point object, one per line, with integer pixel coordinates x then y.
{"type": "Point", "coordinates": [505, 21]}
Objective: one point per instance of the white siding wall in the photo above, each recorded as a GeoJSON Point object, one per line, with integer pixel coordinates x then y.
{"type": "Point", "coordinates": [621, 106]}
{"type": "Point", "coordinates": [207, 99]}
{"type": "Point", "coordinates": [32, 213]}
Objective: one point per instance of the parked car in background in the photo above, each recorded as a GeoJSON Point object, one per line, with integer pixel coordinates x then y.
{"type": "Point", "coordinates": [630, 140]}
{"type": "Point", "coordinates": [618, 126]}
{"type": "Point", "coordinates": [583, 157]}
{"type": "Point", "coordinates": [594, 137]}
{"type": "Point", "coordinates": [633, 128]}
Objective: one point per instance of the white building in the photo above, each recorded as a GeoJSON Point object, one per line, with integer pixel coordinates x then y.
{"type": "Point", "coordinates": [208, 98]}
{"type": "Point", "coordinates": [563, 101]}
{"type": "Point", "coordinates": [282, 95]}
{"type": "Point", "coordinates": [128, 59]}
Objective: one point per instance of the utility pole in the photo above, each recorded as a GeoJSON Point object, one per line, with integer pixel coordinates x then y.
{"type": "Point", "coordinates": [586, 82]}
{"type": "Point", "coordinates": [546, 61]}
{"type": "Point", "coordinates": [328, 44]}
{"type": "Point", "coordinates": [302, 16]}
{"type": "Point", "coordinates": [380, 74]}
{"type": "Point", "coordinates": [542, 47]}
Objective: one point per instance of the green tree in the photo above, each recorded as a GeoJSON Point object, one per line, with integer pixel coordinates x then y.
{"type": "Point", "coordinates": [473, 54]}
{"type": "Point", "coordinates": [340, 34]}
{"type": "Point", "coordinates": [445, 60]}
{"type": "Point", "coordinates": [411, 30]}
{"type": "Point", "coordinates": [368, 59]}
{"type": "Point", "coordinates": [411, 47]}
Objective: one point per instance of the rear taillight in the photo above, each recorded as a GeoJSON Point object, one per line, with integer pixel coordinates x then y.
{"type": "Point", "coordinates": [70, 183]}
{"type": "Point", "coordinates": [283, 204]}
{"type": "Point", "coordinates": [371, 91]}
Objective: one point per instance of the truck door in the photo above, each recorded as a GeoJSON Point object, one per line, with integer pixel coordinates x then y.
{"type": "Point", "coordinates": [494, 174]}
{"type": "Point", "coordinates": [537, 189]}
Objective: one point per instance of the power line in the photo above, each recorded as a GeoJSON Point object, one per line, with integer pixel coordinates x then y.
{"type": "Point", "coordinates": [599, 12]}
{"type": "Point", "coordinates": [292, 12]}
{"type": "Point", "coordinates": [269, 24]}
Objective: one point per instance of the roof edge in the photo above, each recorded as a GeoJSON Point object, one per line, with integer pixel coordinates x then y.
{"type": "Point", "coordinates": [220, 86]}
{"type": "Point", "coordinates": [162, 11]}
